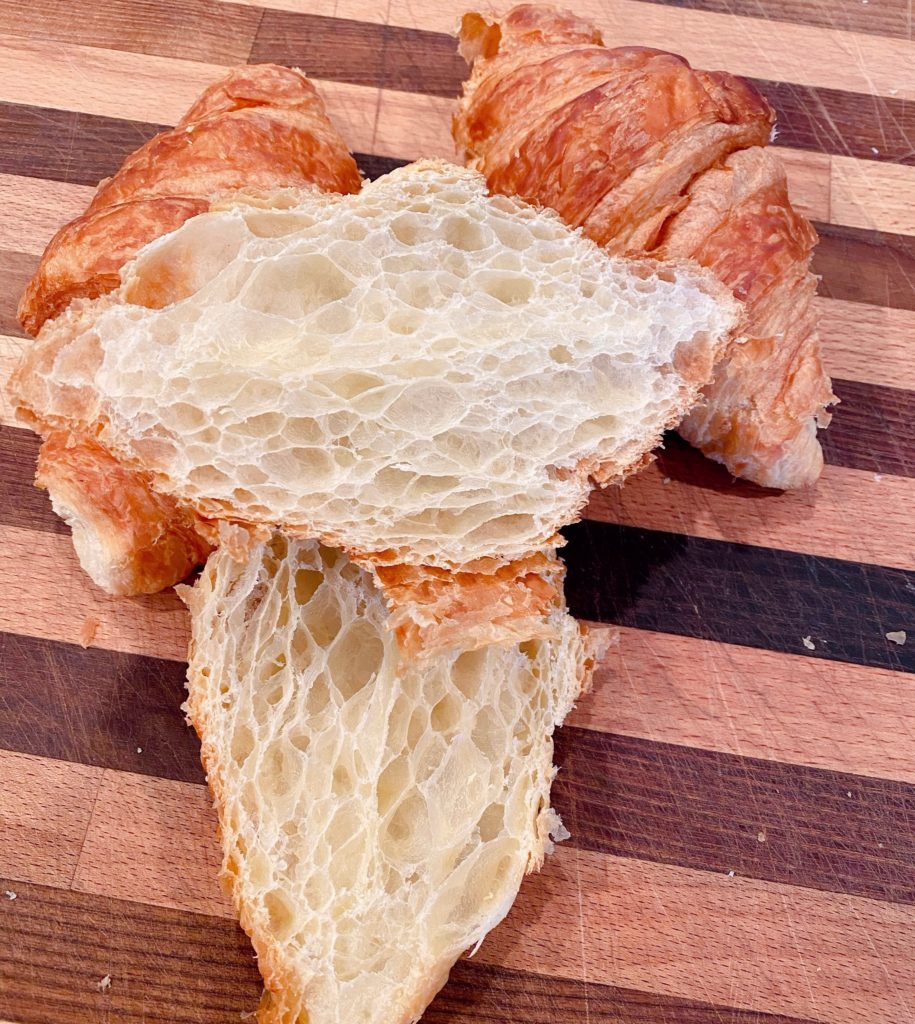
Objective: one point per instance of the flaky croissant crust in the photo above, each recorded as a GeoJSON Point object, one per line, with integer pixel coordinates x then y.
{"type": "Point", "coordinates": [261, 127]}
{"type": "Point", "coordinates": [649, 155]}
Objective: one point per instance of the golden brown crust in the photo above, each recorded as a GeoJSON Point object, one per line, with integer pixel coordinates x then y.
{"type": "Point", "coordinates": [143, 539]}
{"type": "Point", "coordinates": [269, 148]}
{"type": "Point", "coordinates": [84, 258]}
{"type": "Point", "coordinates": [609, 138]}
{"type": "Point", "coordinates": [759, 411]}
{"type": "Point", "coordinates": [261, 127]}
{"type": "Point", "coordinates": [649, 155]}
{"type": "Point", "coordinates": [497, 603]}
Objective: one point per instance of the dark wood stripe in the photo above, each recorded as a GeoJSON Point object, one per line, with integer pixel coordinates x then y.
{"type": "Point", "coordinates": [871, 429]}
{"type": "Point", "coordinates": [183, 968]}
{"type": "Point", "coordinates": [374, 166]}
{"type": "Point", "coordinates": [16, 268]}
{"type": "Point", "coordinates": [21, 502]}
{"type": "Point", "coordinates": [479, 993]}
{"type": "Point", "coordinates": [858, 265]}
{"type": "Point", "coordinates": [883, 18]}
{"type": "Point", "coordinates": [95, 707]}
{"type": "Point", "coordinates": [414, 60]}
{"type": "Point", "coordinates": [739, 594]}
{"type": "Point", "coordinates": [164, 965]}
{"type": "Point", "coordinates": [844, 123]}
{"type": "Point", "coordinates": [362, 53]}
{"type": "Point", "coordinates": [719, 812]}
{"type": "Point", "coordinates": [63, 145]}
{"type": "Point", "coordinates": [204, 30]}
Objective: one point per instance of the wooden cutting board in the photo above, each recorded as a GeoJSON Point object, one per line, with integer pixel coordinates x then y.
{"type": "Point", "coordinates": [740, 786]}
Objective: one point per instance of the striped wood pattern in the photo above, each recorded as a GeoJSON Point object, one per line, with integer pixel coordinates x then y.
{"type": "Point", "coordinates": [741, 805]}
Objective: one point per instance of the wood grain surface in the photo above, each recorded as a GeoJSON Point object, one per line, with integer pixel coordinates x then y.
{"type": "Point", "coordinates": [740, 784]}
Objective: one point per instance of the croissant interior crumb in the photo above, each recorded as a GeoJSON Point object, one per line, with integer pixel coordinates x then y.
{"type": "Point", "coordinates": [419, 368]}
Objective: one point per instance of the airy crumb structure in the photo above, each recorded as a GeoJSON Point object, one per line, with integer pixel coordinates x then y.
{"type": "Point", "coordinates": [377, 819]}
{"type": "Point", "coordinates": [419, 373]}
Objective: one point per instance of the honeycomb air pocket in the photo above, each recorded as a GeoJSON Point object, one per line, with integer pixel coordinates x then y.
{"type": "Point", "coordinates": [295, 286]}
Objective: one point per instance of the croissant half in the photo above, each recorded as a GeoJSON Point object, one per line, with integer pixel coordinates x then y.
{"type": "Point", "coordinates": [424, 375]}
{"type": "Point", "coordinates": [649, 155]}
{"type": "Point", "coordinates": [261, 127]}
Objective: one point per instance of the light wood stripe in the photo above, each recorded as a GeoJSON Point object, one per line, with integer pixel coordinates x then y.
{"type": "Point", "coordinates": [868, 343]}
{"type": "Point", "coordinates": [143, 87]}
{"type": "Point", "coordinates": [130, 845]}
{"type": "Point", "coordinates": [809, 181]}
{"type": "Point", "coordinates": [754, 703]}
{"type": "Point", "coordinates": [45, 809]}
{"type": "Point", "coordinates": [693, 934]}
{"type": "Point", "coordinates": [849, 514]}
{"type": "Point", "coordinates": [757, 47]}
{"type": "Point", "coordinates": [45, 593]}
{"type": "Point", "coordinates": [736, 942]}
{"type": "Point", "coordinates": [41, 206]}
{"type": "Point", "coordinates": [865, 193]}
{"type": "Point", "coordinates": [32, 209]}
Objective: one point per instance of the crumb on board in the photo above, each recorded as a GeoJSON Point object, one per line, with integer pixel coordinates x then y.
{"type": "Point", "coordinates": [896, 636]}
{"type": "Point", "coordinates": [666, 480]}
{"type": "Point", "coordinates": [878, 477]}
{"type": "Point", "coordinates": [848, 792]}
{"type": "Point", "coordinates": [808, 643]}
{"type": "Point", "coordinates": [139, 750]}
{"type": "Point", "coordinates": [104, 984]}
{"type": "Point", "coordinates": [88, 630]}
{"type": "Point", "coordinates": [10, 895]}
{"type": "Point", "coordinates": [731, 873]}
{"type": "Point", "coordinates": [761, 836]}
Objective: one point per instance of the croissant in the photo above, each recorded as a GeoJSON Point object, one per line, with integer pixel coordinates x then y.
{"type": "Point", "coordinates": [261, 127]}
{"type": "Point", "coordinates": [422, 374]}
{"type": "Point", "coordinates": [649, 155]}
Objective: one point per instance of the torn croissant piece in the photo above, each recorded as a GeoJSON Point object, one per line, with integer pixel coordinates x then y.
{"type": "Point", "coordinates": [129, 538]}
{"type": "Point", "coordinates": [489, 600]}
{"type": "Point", "coordinates": [762, 411]}
{"type": "Point", "coordinates": [377, 817]}
{"type": "Point", "coordinates": [261, 127]}
{"type": "Point", "coordinates": [648, 155]}
{"type": "Point", "coordinates": [424, 375]}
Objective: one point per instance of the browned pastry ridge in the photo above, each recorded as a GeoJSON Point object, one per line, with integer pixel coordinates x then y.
{"type": "Point", "coordinates": [649, 155]}
{"type": "Point", "coordinates": [261, 127]}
